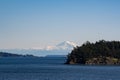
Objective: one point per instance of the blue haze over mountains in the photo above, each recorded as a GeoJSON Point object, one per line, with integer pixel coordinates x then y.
{"type": "Point", "coordinates": [62, 48]}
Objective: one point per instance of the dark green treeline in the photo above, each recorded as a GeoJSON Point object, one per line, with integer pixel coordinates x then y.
{"type": "Point", "coordinates": [101, 52]}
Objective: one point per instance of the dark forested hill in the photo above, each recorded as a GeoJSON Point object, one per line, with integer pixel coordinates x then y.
{"type": "Point", "coordinates": [101, 52]}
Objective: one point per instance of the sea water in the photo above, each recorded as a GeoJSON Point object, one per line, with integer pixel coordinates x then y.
{"type": "Point", "coordinates": [53, 68]}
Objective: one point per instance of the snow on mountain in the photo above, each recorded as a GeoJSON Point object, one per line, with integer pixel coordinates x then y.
{"type": "Point", "coordinates": [66, 45]}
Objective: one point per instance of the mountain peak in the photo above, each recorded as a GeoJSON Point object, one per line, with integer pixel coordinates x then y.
{"type": "Point", "coordinates": [66, 45]}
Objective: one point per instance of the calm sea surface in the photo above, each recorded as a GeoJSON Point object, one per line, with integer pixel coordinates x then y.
{"type": "Point", "coordinates": [53, 69]}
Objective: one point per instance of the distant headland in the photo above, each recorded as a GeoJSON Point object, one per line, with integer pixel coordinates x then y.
{"type": "Point", "coordinates": [101, 52]}
{"type": "Point", "coordinates": [6, 54]}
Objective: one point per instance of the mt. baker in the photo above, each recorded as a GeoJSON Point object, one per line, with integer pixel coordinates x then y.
{"type": "Point", "coordinates": [66, 45]}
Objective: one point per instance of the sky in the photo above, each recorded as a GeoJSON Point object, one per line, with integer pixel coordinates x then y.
{"type": "Point", "coordinates": [38, 23]}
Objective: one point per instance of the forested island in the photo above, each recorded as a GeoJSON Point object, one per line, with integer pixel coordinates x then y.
{"type": "Point", "coordinates": [6, 54]}
{"type": "Point", "coordinates": [101, 52]}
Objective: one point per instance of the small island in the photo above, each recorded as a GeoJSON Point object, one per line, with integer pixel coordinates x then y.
{"type": "Point", "coordinates": [99, 53]}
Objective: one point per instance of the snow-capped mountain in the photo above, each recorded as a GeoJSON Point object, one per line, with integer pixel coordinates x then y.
{"type": "Point", "coordinates": [60, 49]}
{"type": "Point", "coordinates": [66, 45]}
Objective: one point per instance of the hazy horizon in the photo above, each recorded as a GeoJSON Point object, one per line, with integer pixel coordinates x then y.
{"type": "Point", "coordinates": [39, 23]}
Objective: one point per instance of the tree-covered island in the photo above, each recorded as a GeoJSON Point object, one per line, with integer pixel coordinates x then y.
{"type": "Point", "coordinates": [101, 52]}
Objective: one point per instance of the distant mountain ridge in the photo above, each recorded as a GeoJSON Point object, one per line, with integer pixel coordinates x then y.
{"type": "Point", "coordinates": [62, 48]}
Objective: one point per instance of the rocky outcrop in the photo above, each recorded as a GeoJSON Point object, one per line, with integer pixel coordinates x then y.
{"type": "Point", "coordinates": [103, 61]}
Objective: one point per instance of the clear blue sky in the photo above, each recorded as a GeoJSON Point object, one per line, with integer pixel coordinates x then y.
{"type": "Point", "coordinates": [34, 23]}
